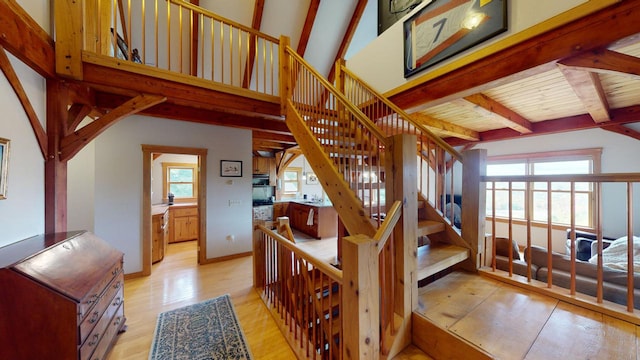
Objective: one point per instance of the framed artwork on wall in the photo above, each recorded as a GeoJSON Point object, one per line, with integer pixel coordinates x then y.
{"type": "Point", "coordinates": [390, 11]}
{"type": "Point", "coordinates": [230, 168]}
{"type": "Point", "coordinates": [4, 167]}
{"type": "Point", "coordinates": [312, 179]}
{"type": "Point", "coordinates": [445, 28]}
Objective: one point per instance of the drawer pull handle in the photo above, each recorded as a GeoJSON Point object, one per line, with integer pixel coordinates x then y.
{"type": "Point", "coordinates": [117, 301]}
{"type": "Point", "coordinates": [94, 317]}
{"type": "Point", "coordinates": [94, 340]}
{"type": "Point", "coordinates": [117, 285]}
{"type": "Point", "coordinates": [93, 299]}
{"type": "Point", "coordinates": [117, 321]}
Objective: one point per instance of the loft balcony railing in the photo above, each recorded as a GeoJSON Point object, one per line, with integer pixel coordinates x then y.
{"type": "Point", "coordinates": [561, 270]}
{"type": "Point", "coordinates": [174, 36]}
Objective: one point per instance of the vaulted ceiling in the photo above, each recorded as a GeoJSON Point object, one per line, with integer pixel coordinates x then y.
{"type": "Point", "coordinates": [582, 76]}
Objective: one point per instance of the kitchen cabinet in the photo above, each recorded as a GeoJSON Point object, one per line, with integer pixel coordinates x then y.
{"type": "Point", "coordinates": [63, 297]}
{"type": "Point", "coordinates": [280, 209]}
{"type": "Point", "coordinates": [160, 235]}
{"type": "Point", "coordinates": [265, 165]}
{"type": "Point", "coordinates": [184, 224]}
{"type": "Point", "coordinates": [324, 219]}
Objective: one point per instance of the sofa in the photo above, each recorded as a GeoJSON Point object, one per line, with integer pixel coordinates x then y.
{"type": "Point", "coordinates": [614, 281]}
{"type": "Point", "coordinates": [586, 244]}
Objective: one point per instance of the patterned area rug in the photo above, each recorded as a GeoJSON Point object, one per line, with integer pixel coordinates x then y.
{"type": "Point", "coordinates": [207, 330]}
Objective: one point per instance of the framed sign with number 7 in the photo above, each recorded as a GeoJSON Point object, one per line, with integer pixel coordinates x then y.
{"type": "Point", "coordinates": [445, 28]}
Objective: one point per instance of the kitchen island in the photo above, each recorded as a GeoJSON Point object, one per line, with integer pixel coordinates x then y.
{"type": "Point", "coordinates": [316, 219]}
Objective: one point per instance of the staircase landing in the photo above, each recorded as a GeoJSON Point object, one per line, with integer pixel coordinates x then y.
{"type": "Point", "coordinates": [520, 324]}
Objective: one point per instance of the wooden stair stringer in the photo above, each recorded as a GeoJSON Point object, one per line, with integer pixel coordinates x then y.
{"type": "Point", "coordinates": [352, 214]}
{"type": "Point", "coordinates": [440, 343]}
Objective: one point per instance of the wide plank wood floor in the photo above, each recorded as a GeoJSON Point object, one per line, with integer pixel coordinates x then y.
{"type": "Point", "coordinates": [178, 281]}
{"type": "Point", "coordinates": [512, 323]}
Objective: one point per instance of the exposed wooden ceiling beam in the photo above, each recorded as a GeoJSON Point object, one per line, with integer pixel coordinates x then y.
{"type": "Point", "coordinates": [115, 80]}
{"type": "Point", "coordinates": [26, 40]}
{"type": "Point", "coordinates": [534, 56]}
{"type": "Point", "coordinates": [446, 128]}
{"type": "Point", "coordinates": [74, 142]}
{"type": "Point", "coordinates": [256, 23]}
{"type": "Point", "coordinates": [619, 116]}
{"type": "Point", "coordinates": [308, 25]}
{"type": "Point", "coordinates": [604, 61]}
{"type": "Point", "coordinates": [77, 112]}
{"type": "Point", "coordinates": [348, 36]}
{"type": "Point", "coordinates": [14, 81]}
{"type": "Point", "coordinates": [172, 110]}
{"type": "Point", "coordinates": [269, 136]}
{"type": "Point", "coordinates": [506, 116]}
{"type": "Point", "coordinates": [623, 130]}
{"type": "Point", "coordinates": [588, 88]}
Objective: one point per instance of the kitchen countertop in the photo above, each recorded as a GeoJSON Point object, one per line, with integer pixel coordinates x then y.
{"type": "Point", "coordinates": [312, 203]}
{"type": "Point", "coordinates": [161, 208]}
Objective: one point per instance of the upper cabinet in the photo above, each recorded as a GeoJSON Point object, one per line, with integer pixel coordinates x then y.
{"type": "Point", "coordinates": [265, 166]}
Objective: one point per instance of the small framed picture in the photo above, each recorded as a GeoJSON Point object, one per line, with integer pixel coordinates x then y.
{"type": "Point", "coordinates": [312, 179]}
{"type": "Point", "coordinates": [4, 167]}
{"type": "Point", "coordinates": [230, 168]}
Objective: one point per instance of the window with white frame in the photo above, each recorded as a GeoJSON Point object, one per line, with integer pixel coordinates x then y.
{"type": "Point", "coordinates": [549, 163]}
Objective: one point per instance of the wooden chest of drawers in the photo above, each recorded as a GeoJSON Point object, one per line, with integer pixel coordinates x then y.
{"type": "Point", "coordinates": [62, 297]}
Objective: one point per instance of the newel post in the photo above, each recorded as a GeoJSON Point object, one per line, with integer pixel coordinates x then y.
{"type": "Point", "coordinates": [285, 73]}
{"type": "Point", "coordinates": [474, 202]}
{"type": "Point", "coordinates": [259, 263]}
{"type": "Point", "coordinates": [361, 298]}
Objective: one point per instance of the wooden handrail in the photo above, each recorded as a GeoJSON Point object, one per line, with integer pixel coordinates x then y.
{"type": "Point", "coordinates": [596, 181]}
{"type": "Point", "coordinates": [385, 230]}
{"type": "Point", "coordinates": [334, 273]}
{"type": "Point", "coordinates": [436, 139]}
{"type": "Point", "coordinates": [360, 116]}
{"type": "Point", "coordinates": [611, 177]}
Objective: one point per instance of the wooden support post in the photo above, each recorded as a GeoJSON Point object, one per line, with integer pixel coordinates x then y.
{"type": "Point", "coordinates": [69, 38]}
{"type": "Point", "coordinates": [285, 72]}
{"type": "Point", "coordinates": [259, 264]}
{"type": "Point", "coordinates": [402, 186]}
{"type": "Point", "coordinates": [284, 228]}
{"type": "Point", "coordinates": [474, 203]}
{"type": "Point", "coordinates": [361, 299]}
{"type": "Point", "coordinates": [55, 170]}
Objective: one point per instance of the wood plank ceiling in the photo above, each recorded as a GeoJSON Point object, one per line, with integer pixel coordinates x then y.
{"type": "Point", "coordinates": [582, 81]}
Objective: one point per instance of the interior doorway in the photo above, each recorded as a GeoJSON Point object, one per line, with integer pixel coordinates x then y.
{"type": "Point", "coordinates": [148, 152]}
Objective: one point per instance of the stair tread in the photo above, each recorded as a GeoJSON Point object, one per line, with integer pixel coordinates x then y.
{"type": "Point", "coordinates": [428, 227]}
{"type": "Point", "coordinates": [437, 257]}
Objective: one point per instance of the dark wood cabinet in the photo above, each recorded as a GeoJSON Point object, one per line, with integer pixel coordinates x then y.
{"type": "Point", "coordinates": [322, 223]}
{"type": "Point", "coordinates": [62, 297]}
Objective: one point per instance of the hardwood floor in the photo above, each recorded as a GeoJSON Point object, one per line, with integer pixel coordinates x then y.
{"type": "Point", "coordinates": [512, 323]}
{"type": "Point", "coordinates": [177, 281]}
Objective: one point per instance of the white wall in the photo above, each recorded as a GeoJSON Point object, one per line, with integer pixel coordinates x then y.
{"type": "Point", "coordinates": [22, 213]}
{"type": "Point", "coordinates": [380, 64]}
{"type": "Point", "coordinates": [81, 171]}
{"type": "Point", "coordinates": [118, 183]}
{"type": "Point", "coordinates": [616, 158]}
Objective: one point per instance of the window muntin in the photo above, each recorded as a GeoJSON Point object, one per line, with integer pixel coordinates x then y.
{"type": "Point", "coordinates": [556, 163]}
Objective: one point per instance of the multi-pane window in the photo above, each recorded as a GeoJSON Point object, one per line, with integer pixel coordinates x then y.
{"type": "Point", "coordinates": [181, 180]}
{"type": "Point", "coordinates": [556, 163]}
{"type": "Point", "coordinates": [291, 181]}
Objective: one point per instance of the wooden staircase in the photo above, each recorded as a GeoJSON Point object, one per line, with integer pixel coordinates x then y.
{"type": "Point", "coordinates": [435, 256]}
